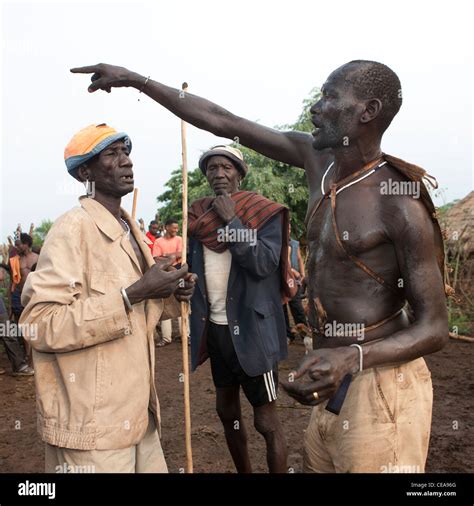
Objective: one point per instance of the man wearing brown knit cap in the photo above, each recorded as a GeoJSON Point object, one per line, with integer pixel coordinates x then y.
{"type": "Point", "coordinates": [236, 249]}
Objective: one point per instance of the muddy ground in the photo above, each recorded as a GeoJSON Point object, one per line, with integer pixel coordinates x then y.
{"type": "Point", "coordinates": [451, 447]}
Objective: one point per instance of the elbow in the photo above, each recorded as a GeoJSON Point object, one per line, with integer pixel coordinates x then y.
{"type": "Point", "coordinates": [264, 263]}
{"type": "Point", "coordinates": [442, 339]}
{"type": "Point", "coordinates": [210, 126]}
{"type": "Point", "coordinates": [35, 334]}
{"type": "Point", "coordinates": [439, 333]}
{"type": "Point", "coordinates": [222, 123]}
{"type": "Point", "coordinates": [28, 327]}
{"type": "Point", "coordinates": [267, 270]}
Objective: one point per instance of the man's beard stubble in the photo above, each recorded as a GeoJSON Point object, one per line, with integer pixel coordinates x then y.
{"type": "Point", "coordinates": [334, 135]}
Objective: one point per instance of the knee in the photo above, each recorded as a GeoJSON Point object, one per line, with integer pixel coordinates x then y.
{"type": "Point", "coordinates": [228, 414]}
{"type": "Point", "coordinates": [266, 425]}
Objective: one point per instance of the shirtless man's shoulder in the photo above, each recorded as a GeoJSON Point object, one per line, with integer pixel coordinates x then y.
{"type": "Point", "coordinates": [31, 258]}
{"type": "Point", "coordinates": [402, 206]}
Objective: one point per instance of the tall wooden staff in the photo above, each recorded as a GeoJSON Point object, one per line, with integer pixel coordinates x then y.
{"type": "Point", "coordinates": [185, 305]}
{"type": "Point", "coordinates": [134, 205]}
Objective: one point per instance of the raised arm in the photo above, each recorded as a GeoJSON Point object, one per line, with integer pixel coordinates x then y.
{"type": "Point", "coordinates": [292, 148]}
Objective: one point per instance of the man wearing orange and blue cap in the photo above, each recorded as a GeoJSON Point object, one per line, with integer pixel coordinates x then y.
{"type": "Point", "coordinates": [92, 306]}
{"type": "Point", "coordinates": [89, 142]}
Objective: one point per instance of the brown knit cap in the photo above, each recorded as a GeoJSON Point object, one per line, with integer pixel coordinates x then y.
{"type": "Point", "coordinates": [233, 154]}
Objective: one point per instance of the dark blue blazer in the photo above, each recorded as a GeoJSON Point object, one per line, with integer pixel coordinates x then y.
{"type": "Point", "coordinates": [254, 308]}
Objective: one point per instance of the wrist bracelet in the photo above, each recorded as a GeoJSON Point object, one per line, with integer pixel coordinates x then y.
{"type": "Point", "coordinates": [143, 87]}
{"type": "Point", "coordinates": [126, 299]}
{"type": "Point", "coordinates": [361, 356]}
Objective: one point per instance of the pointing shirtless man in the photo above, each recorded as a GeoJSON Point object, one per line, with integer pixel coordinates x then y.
{"type": "Point", "coordinates": [370, 252]}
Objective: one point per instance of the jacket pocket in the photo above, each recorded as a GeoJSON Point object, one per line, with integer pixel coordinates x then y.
{"type": "Point", "coordinates": [267, 328]}
{"type": "Point", "coordinates": [98, 282]}
{"type": "Point", "coordinates": [265, 309]}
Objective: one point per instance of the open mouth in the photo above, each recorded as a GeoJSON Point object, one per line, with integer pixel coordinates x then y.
{"type": "Point", "coordinates": [317, 128]}
{"type": "Point", "coordinates": [127, 179]}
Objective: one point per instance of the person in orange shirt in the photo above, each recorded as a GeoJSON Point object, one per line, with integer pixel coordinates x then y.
{"type": "Point", "coordinates": [169, 245]}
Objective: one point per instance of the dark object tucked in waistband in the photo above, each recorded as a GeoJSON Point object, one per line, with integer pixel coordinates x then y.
{"type": "Point", "coordinates": [335, 403]}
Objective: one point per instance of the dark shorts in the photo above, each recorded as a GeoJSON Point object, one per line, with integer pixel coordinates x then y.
{"type": "Point", "coordinates": [227, 371]}
{"type": "Point", "coordinates": [17, 308]}
{"type": "Point", "coordinates": [3, 310]}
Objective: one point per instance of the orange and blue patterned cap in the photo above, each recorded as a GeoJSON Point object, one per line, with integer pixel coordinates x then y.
{"type": "Point", "coordinates": [89, 142]}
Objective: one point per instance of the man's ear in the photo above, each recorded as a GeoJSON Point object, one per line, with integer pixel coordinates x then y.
{"type": "Point", "coordinates": [84, 173]}
{"type": "Point", "coordinates": [373, 107]}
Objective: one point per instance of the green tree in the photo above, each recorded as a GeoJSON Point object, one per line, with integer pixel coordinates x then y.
{"type": "Point", "coordinates": [275, 180]}
{"type": "Point", "coordinates": [171, 198]}
{"type": "Point", "coordinates": [40, 233]}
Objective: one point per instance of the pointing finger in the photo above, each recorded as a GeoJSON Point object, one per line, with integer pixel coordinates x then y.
{"type": "Point", "coordinates": [84, 70]}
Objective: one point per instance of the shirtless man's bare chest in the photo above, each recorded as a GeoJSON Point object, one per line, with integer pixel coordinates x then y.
{"type": "Point", "coordinates": [27, 261]}
{"type": "Point", "coordinates": [345, 293]}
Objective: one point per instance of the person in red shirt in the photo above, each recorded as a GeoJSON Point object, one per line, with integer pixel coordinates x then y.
{"type": "Point", "coordinates": [153, 232]}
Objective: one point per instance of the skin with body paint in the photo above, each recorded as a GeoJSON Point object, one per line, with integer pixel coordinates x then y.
{"type": "Point", "coordinates": [392, 234]}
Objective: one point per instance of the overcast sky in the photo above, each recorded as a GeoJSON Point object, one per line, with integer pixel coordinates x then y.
{"type": "Point", "coordinates": [257, 58]}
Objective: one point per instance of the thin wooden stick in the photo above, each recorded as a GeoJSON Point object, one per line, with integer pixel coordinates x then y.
{"type": "Point", "coordinates": [185, 305]}
{"type": "Point", "coordinates": [468, 339]}
{"type": "Point", "coordinates": [134, 205]}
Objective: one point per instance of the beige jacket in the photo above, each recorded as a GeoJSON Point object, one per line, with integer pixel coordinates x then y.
{"type": "Point", "coordinates": [94, 361]}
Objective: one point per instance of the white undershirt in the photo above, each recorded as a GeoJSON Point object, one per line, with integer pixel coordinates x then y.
{"type": "Point", "coordinates": [216, 271]}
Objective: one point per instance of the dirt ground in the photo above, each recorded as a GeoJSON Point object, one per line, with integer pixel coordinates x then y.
{"type": "Point", "coordinates": [451, 447]}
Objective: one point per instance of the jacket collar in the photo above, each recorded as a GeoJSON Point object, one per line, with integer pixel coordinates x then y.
{"type": "Point", "coordinates": [106, 222]}
{"type": "Point", "coordinates": [102, 217]}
